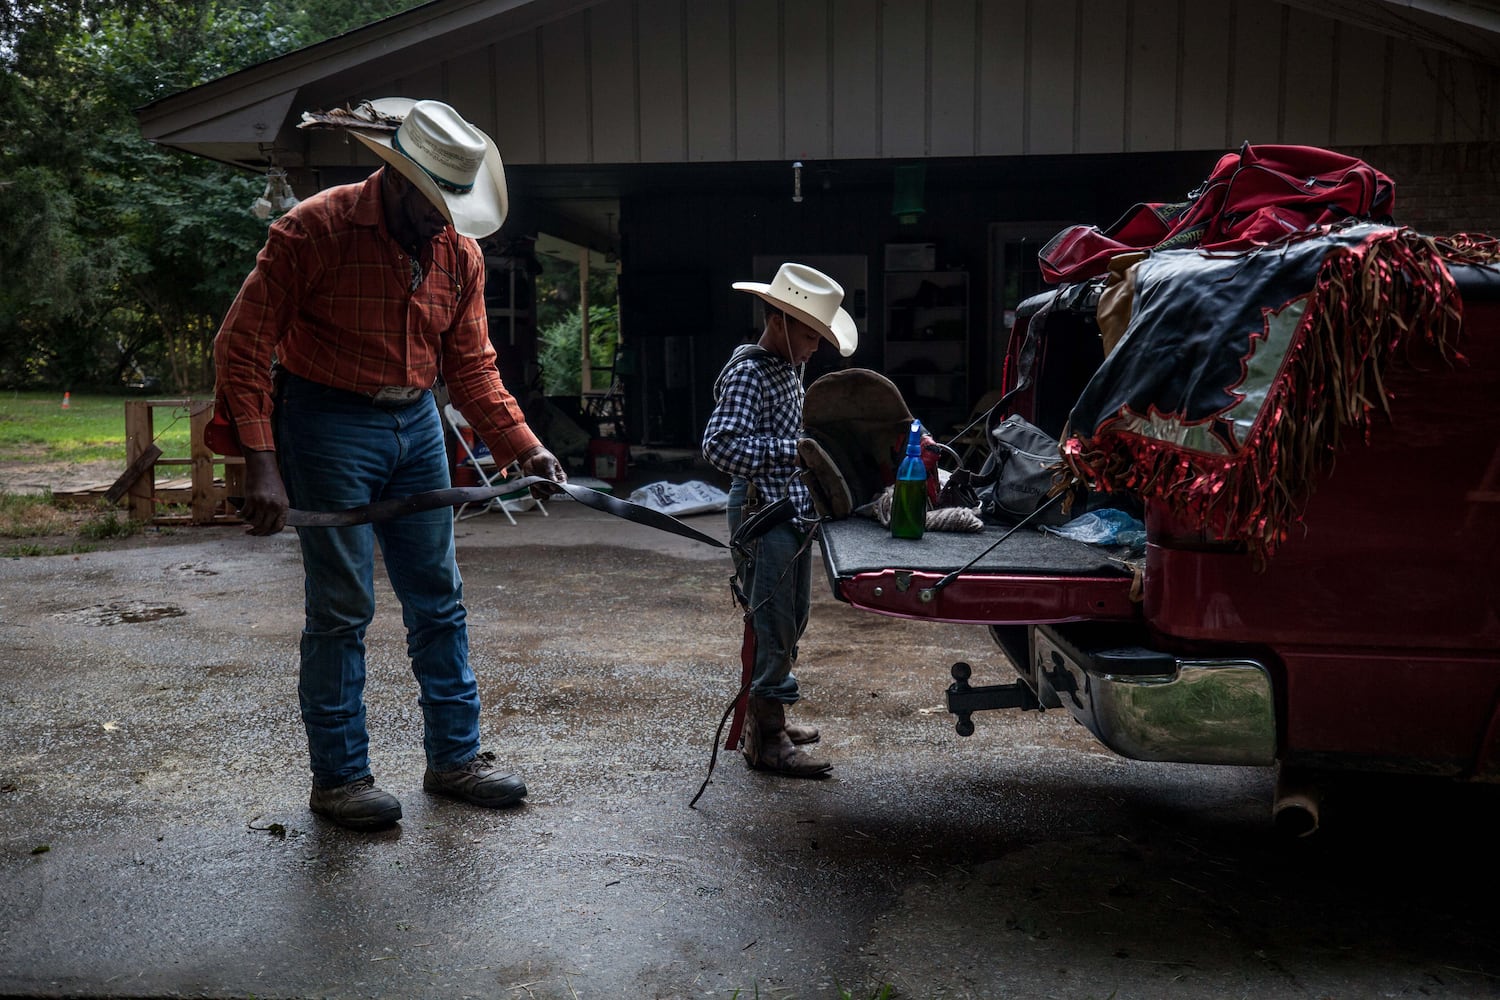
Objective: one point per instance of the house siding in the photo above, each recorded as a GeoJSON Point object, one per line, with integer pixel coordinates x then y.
{"type": "Point", "coordinates": [708, 81]}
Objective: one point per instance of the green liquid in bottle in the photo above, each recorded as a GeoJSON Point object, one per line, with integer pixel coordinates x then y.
{"type": "Point", "coordinates": [909, 500]}
{"type": "Point", "coordinates": [909, 508]}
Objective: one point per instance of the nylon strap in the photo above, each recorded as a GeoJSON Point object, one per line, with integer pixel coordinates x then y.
{"type": "Point", "coordinates": [385, 510]}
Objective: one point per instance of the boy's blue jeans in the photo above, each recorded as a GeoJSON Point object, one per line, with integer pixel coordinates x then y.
{"type": "Point", "coordinates": [337, 451]}
{"type": "Point", "coordinates": [777, 580]}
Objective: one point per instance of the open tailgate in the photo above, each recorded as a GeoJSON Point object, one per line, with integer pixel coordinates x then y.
{"type": "Point", "coordinates": [1031, 577]}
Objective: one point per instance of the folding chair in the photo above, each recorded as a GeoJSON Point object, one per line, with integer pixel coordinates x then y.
{"type": "Point", "coordinates": [478, 458]}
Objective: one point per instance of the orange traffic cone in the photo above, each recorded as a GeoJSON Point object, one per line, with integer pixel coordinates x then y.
{"type": "Point", "coordinates": [66, 396]}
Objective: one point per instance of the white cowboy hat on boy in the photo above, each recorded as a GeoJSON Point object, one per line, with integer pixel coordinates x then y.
{"type": "Point", "coordinates": [450, 161]}
{"type": "Point", "coordinates": [811, 296]}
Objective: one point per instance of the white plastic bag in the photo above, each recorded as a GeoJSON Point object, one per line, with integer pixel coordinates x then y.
{"type": "Point", "coordinates": [679, 499]}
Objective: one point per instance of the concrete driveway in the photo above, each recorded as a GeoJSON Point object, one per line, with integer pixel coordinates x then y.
{"type": "Point", "coordinates": [155, 838]}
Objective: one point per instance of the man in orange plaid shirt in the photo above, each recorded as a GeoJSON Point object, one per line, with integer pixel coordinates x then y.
{"type": "Point", "coordinates": [362, 297]}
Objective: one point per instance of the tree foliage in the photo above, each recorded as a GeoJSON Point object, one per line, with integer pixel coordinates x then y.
{"type": "Point", "coordinates": [118, 257]}
{"type": "Point", "coordinates": [560, 353]}
{"type": "Point", "coordinates": [560, 325]}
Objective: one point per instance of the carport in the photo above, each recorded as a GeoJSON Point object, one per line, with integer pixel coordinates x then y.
{"type": "Point", "coordinates": [897, 144]}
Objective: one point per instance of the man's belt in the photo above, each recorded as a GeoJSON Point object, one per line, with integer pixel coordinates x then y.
{"type": "Point", "coordinates": [392, 396]}
{"type": "Point", "coordinates": [384, 510]}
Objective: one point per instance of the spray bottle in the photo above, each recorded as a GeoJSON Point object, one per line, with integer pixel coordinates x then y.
{"type": "Point", "coordinates": [909, 500]}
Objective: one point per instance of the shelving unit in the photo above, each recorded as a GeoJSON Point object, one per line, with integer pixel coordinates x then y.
{"type": "Point", "coordinates": [927, 342]}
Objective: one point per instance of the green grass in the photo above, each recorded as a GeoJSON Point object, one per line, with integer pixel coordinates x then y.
{"type": "Point", "coordinates": [107, 523]}
{"type": "Point", "coordinates": [22, 550]}
{"type": "Point", "coordinates": [31, 515]}
{"type": "Point", "coordinates": [34, 427]}
{"type": "Point", "coordinates": [41, 528]}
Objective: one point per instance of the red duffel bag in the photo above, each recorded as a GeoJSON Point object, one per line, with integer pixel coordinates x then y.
{"type": "Point", "coordinates": [1253, 197]}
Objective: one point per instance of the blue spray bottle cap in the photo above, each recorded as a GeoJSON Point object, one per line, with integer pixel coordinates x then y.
{"type": "Point", "coordinates": [914, 440]}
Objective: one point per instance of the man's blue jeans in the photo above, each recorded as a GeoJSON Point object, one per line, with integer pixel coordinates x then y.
{"type": "Point", "coordinates": [777, 580]}
{"type": "Point", "coordinates": [337, 451]}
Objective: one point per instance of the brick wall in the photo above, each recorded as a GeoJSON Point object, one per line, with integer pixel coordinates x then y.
{"type": "Point", "coordinates": [1442, 189]}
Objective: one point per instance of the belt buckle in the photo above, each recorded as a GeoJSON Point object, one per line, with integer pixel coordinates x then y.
{"type": "Point", "coordinates": [396, 395]}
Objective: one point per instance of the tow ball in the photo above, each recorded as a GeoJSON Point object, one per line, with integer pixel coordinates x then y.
{"type": "Point", "coordinates": [964, 699]}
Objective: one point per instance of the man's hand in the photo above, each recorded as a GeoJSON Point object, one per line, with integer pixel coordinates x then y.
{"type": "Point", "coordinates": [265, 495]}
{"type": "Point", "coordinates": [541, 462]}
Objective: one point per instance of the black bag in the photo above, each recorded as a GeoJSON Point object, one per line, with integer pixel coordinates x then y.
{"type": "Point", "coordinates": [1027, 470]}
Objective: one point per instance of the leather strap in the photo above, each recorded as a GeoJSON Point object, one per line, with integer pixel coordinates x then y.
{"type": "Point", "coordinates": [762, 521]}
{"type": "Point", "coordinates": [384, 510]}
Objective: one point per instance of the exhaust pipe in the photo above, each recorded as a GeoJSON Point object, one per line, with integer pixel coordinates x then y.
{"type": "Point", "coordinates": [1296, 805]}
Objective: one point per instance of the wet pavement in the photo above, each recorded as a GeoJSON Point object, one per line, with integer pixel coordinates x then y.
{"type": "Point", "coordinates": [155, 838]}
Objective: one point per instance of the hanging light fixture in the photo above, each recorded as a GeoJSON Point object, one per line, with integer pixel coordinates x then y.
{"type": "Point", "coordinates": [278, 197]}
{"type": "Point", "coordinates": [797, 181]}
{"type": "Point", "coordinates": [911, 181]}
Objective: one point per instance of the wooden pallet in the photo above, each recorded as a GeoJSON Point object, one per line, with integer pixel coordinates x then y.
{"type": "Point", "coordinates": [200, 498]}
{"type": "Point", "coordinates": [176, 493]}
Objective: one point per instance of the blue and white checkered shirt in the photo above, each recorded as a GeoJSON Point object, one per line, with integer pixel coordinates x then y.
{"type": "Point", "coordinates": [757, 419]}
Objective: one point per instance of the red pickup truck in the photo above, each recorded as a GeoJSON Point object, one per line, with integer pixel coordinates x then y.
{"type": "Point", "coordinates": [1362, 635]}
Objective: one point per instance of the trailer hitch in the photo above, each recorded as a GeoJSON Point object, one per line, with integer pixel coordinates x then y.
{"type": "Point", "coordinates": [964, 699]}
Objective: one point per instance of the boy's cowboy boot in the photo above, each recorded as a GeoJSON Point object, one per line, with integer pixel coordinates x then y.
{"type": "Point", "coordinates": [800, 733]}
{"type": "Point", "coordinates": [768, 747]}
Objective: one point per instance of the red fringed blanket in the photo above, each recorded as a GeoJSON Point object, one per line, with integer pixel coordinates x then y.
{"type": "Point", "coordinates": [1239, 375]}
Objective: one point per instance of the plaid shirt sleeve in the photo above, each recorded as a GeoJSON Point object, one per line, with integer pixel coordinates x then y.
{"type": "Point", "coordinates": [260, 316]}
{"type": "Point", "coordinates": [736, 441]}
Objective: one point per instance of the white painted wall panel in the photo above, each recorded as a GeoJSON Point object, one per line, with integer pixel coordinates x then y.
{"type": "Point", "coordinates": [757, 80]}
{"type": "Point", "coordinates": [953, 78]}
{"type": "Point", "coordinates": [856, 79]}
{"type": "Point", "coordinates": [612, 83]}
{"type": "Point", "coordinates": [808, 102]}
{"type": "Point", "coordinates": [518, 129]}
{"type": "Point", "coordinates": [1151, 115]}
{"type": "Point", "coordinates": [1204, 78]}
{"type": "Point", "coordinates": [1255, 77]}
{"type": "Point", "coordinates": [567, 128]}
{"type": "Point", "coordinates": [331, 146]}
{"type": "Point", "coordinates": [1308, 80]}
{"type": "Point", "coordinates": [470, 86]}
{"type": "Point", "coordinates": [1464, 111]}
{"type": "Point", "coordinates": [710, 81]}
{"type": "Point", "coordinates": [424, 83]}
{"type": "Point", "coordinates": [1102, 90]}
{"type": "Point", "coordinates": [903, 78]}
{"type": "Point", "coordinates": [1053, 66]}
{"type": "Point", "coordinates": [1413, 100]}
{"type": "Point", "coordinates": [1002, 77]}
{"type": "Point", "coordinates": [663, 107]}
{"type": "Point", "coordinates": [625, 81]}
{"type": "Point", "coordinates": [1359, 105]}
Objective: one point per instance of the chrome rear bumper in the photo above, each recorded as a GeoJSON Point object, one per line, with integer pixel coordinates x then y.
{"type": "Point", "coordinates": [1153, 706]}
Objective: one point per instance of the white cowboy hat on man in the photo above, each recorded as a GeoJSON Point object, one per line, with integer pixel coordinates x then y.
{"type": "Point", "coordinates": [811, 296]}
{"type": "Point", "coordinates": [450, 161]}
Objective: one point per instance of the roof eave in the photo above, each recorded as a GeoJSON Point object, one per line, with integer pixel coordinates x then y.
{"type": "Point", "coordinates": [236, 118]}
